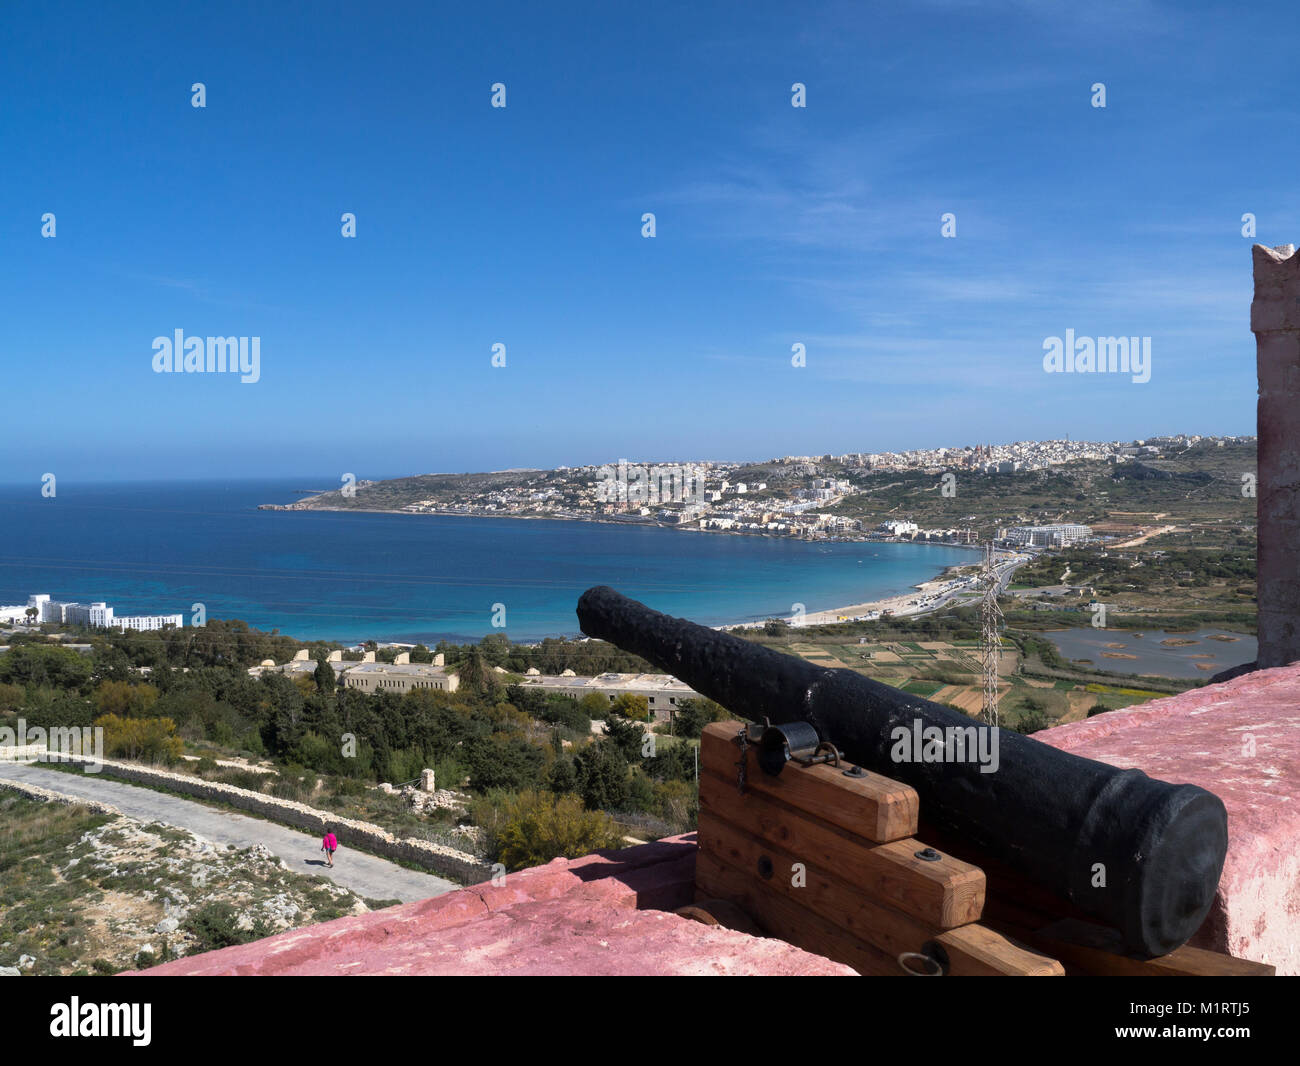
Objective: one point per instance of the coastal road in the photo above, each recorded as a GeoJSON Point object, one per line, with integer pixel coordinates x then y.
{"type": "Point", "coordinates": [366, 875]}
{"type": "Point", "coordinates": [1004, 570]}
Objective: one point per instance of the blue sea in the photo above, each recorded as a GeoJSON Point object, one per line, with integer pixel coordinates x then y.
{"type": "Point", "coordinates": [160, 548]}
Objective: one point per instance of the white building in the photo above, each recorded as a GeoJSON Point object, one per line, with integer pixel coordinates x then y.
{"type": "Point", "coordinates": [13, 614]}
{"type": "Point", "coordinates": [898, 529]}
{"type": "Point", "coordinates": [1059, 536]}
{"type": "Point", "coordinates": [149, 621]}
{"type": "Point", "coordinates": [400, 676]}
{"type": "Point", "coordinates": [98, 615]}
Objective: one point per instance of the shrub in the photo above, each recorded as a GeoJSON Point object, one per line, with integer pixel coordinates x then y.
{"type": "Point", "coordinates": [640, 792]}
{"type": "Point", "coordinates": [625, 737]}
{"type": "Point", "coordinates": [319, 753]}
{"type": "Point", "coordinates": [1030, 721]}
{"type": "Point", "coordinates": [692, 716]}
{"type": "Point", "coordinates": [561, 778]}
{"type": "Point", "coordinates": [562, 710]}
{"type": "Point", "coordinates": [594, 706]}
{"type": "Point", "coordinates": [347, 786]}
{"type": "Point", "coordinates": [242, 779]}
{"type": "Point", "coordinates": [601, 771]}
{"type": "Point", "coordinates": [535, 827]}
{"type": "Point", "coordinates": [151, 739]}
{"type": "Point", "coordinates": [124, 699]}
{"type": "Point", "coordinates": [215, 925]}
{"type": "Point", "coordinates": [678, 804]}
{"type": "Point", "coordinates": [630, 706]}
{"type": "Point", "coordinates": [502, 761]}
{"type": "Point", "coordinates": [294, 783]}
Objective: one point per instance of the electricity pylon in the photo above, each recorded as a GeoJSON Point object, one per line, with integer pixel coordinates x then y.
{"type": "Point", "coordinates": [990, 638]}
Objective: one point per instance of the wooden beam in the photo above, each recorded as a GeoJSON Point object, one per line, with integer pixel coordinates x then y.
{"type": "Point", "coordinates": [945, 893]}
{"type": "Point", "coordinates": [814, 888]}
{"type": "Point", "coordinates": [978, 951]}
{"type": "Point", "coordinates": [786, 921]}
{"type": "Point", "coordinates": [1094, 948]}
{"type": "Point", "coordinates": [871, 806]}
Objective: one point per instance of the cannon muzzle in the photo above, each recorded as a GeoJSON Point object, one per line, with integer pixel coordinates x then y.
{"type": "Point", "coordinates": [1142, 855]}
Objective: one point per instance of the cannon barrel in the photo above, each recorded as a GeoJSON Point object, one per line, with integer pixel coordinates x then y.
{"type": "Point", "coordinates": [1142, 855]}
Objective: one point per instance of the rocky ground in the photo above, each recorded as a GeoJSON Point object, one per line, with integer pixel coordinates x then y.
{"type": "Point", "coordinates": [86, 892]}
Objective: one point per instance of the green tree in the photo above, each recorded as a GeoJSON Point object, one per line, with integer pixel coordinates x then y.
{"type": "Point", "coordinates": [476, 676]}
{"type": "Point", "coordinates": [602, 776]}
{"type": "Point", "coordinates": [503, 761]}
{"type": "Point", "coordinates": [123, 698]}
{"type": "Point", "coordinates": [631, 706]}
{"type": "Point", "coordinates": [562, 777]}
{"type": "Point", "coordinates": [625, 737]}
{"type": "Point", "coordinates": [594, 706]}
{"type": "Point", "coordinates": [693, 715]}
{"type": "Point", "coordinates": [325, 681]}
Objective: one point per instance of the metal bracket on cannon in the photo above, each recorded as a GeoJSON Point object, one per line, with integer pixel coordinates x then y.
{"type": "Point", "coordinates": [793, 742]}
{"type": "Point", "coordinates": [777, 745]}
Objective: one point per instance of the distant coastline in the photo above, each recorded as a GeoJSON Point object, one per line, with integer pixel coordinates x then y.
{"type": "Point", "coordinates": [638, 523]}
{"type": "Point", "coordinates": [169, 546]}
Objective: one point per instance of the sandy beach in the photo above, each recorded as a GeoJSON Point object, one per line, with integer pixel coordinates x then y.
{"type": "Point", "coordinates": [899, 605]}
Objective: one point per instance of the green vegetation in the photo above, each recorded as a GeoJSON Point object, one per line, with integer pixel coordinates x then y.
{"type": "Point", "coordinates": [146, 739]}
{"type": "Point", "coordinates": [530, 828]}
{"type": "Point", "coordinates": [81, 892]}
{"type": "Point", "coordinates": [37, 916]}
{"type": "Point", "coordinates": [1116, 572]}
{"type": "Point", "coordinates": [329, 743]}
{"type": "Point", "coordinates": [217, 925]}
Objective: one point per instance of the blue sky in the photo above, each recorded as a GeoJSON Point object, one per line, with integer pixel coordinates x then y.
{"type": "Point", "coordinates": [522, 225]}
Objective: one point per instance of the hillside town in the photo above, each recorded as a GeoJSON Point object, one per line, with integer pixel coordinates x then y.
{"type": "Point", "coordinates": [808, 497]}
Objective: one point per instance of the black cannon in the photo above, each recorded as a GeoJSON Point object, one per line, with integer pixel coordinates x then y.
{"type": "Point", "coordinates": [1141, 855]}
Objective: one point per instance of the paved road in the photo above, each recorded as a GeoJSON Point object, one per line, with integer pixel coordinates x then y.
{"type": "Point", "coordinates": [366, 875]}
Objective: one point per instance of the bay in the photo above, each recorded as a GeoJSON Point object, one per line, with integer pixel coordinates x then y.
{"type": "Point", "coordinates": [162, 547]}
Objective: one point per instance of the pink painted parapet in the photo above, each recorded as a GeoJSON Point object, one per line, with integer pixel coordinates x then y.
{"type": "Point", "coordinates": [1241, 741]}
{"type": "Point", "coordinates": [605, 914]}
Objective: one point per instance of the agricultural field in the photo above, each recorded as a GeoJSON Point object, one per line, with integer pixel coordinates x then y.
{"type": "Point", "coordinates": [949, 672]}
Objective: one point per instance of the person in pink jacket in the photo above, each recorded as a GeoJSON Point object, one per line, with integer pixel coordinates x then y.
{"type": "Point", "coordinates": [329, 845]}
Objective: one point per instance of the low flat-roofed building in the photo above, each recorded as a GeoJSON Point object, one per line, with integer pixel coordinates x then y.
{"type": "Point", "coordinates": [663, 692]}
{"type": "Point", "coordinates": [397, 677]}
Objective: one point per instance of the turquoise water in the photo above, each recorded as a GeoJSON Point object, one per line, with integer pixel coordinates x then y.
{"type": "Point", "coordinates": [162, 547]}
